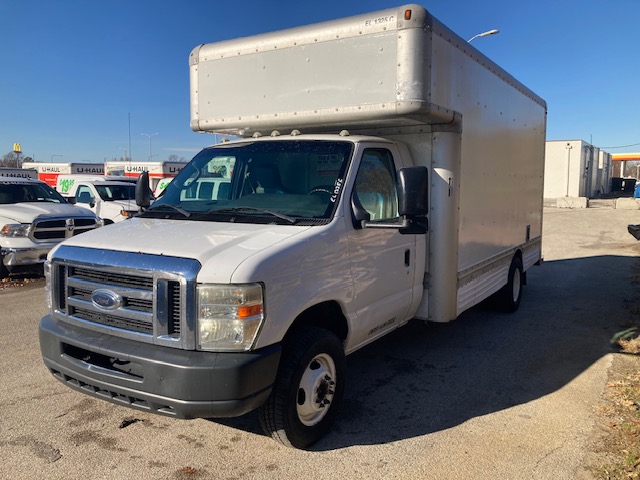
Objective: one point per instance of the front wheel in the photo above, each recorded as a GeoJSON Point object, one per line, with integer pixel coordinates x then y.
{"type": "Point", "coordinates": [308, 390]}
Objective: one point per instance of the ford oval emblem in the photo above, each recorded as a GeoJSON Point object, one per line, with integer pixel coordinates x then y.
{"type": "Point", "coordinates": [106, 299]}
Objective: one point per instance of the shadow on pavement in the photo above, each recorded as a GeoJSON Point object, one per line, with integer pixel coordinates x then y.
{"type": "Point", "coordinates": [424, 379]}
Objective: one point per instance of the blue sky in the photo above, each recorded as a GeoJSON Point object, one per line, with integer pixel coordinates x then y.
{"type": "Point", "coordinates": [75, 71]}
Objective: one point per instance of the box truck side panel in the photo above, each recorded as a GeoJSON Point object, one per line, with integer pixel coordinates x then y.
{"type": "Point", "coordinates": [501, 171]}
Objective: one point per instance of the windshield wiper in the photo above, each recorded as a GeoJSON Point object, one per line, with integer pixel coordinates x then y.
{"type": "Point", "coordinates": [279, 215]}
{"type": "Point", "coordinates": [165, 206]}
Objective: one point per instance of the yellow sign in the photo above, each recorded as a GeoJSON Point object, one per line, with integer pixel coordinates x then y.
{"type": "Point", "coordinates": [16, 148]}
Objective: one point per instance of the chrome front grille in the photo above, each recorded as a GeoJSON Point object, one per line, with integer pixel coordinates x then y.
{"type": "Point", "coordinates": [149, 298]}
{"type": "Point", "coordinates": [48, 229]}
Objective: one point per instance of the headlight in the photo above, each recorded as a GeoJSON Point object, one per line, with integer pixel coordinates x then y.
{"type": "Point", "coordinates": [229, 316]}
{"type": "Point", "coordinates": [15, 230]}
{"type": "Point", "coordinates": [47, 287]}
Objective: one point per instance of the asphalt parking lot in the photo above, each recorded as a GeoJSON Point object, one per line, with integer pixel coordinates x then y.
{"type": "Point", "coordinates": [500, 396]}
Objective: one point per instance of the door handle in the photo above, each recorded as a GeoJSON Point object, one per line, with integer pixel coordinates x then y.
{"type": "Point", "coordinates": [407, 258]}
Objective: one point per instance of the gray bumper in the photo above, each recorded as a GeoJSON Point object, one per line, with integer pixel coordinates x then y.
{"type": "Point", "coordinates": [167, 381]}
{"type": "Point", "coordinates": [16, 257]}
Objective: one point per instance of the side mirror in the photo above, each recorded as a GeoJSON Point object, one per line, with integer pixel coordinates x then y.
{"type": "Point", "coordinates": [413, 192]}
{"type": "Point", "coordinates": [143, 197]}
{"type": "Point", "coordinates": [413, 199]}
{"type": "Point", "coordinates": [72, 200]}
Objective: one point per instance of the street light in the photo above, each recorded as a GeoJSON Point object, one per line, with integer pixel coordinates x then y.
{"type": "Point", "coordinates": [149, 135]}
{"type": "Point", "coordinates": [484, 34]}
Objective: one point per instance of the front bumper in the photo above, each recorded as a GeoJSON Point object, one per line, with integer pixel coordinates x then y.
{"type": "Point", "coordinates": [166, 381]}
{"type": "Point", "coordinates": [16, 257]}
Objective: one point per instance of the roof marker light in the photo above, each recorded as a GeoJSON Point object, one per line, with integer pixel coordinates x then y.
{"type": "Point", "coordinates": [407, 14]}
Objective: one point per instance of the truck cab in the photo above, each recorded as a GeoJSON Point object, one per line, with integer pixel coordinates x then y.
{"type": "Point", "coordinates": [113, 200]}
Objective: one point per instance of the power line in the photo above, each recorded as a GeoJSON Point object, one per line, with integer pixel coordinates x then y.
{"type": "Point", "coordinates": [625, 146]}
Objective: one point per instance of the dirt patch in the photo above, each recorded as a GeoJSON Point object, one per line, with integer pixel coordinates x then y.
{"type": "Point", "coordinates": [18, 281]}
{"type": "Point", "coordinates": [618, 448]}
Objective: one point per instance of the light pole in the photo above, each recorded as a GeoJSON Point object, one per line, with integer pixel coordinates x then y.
{"type": "Point", "coordinates": [149, 135]}
{"type": "Point", "coordinates": [484, 34]}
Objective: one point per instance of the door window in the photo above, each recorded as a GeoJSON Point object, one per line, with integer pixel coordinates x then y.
{"type": "Point", "coordinates": [375, 185]}
{"type": "Point", "coordinates": [84, 195]}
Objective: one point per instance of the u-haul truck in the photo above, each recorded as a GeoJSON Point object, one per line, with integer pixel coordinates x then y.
{"type": "Point", "coordinates": [158, 171]}
{"type": "Point", "coordinates": [18, 172]}
{"type": "Point", "coordinates": [387, 170]}
{"type": "Point", "coordinates": [49, 172]}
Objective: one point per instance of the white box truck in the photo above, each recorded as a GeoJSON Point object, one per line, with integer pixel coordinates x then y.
{"type": "Point", "coordinates": [160, 173]}
{"type": "Point", "coordinates": [49, 172]}
{"type": "Point", "coordinates": [387, 171]}
{"type": "Point", "coordinates": [19, 172]}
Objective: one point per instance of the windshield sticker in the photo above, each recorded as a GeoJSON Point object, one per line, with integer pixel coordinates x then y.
{"type": "Point", "coordinates": [336, 190]}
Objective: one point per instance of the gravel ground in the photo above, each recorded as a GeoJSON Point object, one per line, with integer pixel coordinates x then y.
{"type": "Point", "coordinates": [489, 396]}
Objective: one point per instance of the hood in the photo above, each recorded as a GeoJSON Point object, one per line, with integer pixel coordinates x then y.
{"type": "Point", "coordinates": [112, 208]}
{"type": "Point", "coordinates": [224, 246]}
{"type": "Point", "coordinates": [120, 204]}
{"type": "Point", "coordinates": [26, 212]}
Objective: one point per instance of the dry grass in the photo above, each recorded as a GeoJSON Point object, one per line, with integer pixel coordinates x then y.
{"type": "Point", "coordinates": [20, 281]}
{"type": "Point", "coordinates": [631, 346]}
{"type": "Point", "coordinates": [620, 445]}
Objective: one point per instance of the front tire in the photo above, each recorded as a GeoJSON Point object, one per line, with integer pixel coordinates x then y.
{"type": "Point", "coordinates": [308, 390]}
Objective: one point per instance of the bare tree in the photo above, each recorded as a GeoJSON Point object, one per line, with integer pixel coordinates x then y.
{"type": "Point", "coordinates": [10, 160]}
{"type": "Point", "coordinates": [174, 158]}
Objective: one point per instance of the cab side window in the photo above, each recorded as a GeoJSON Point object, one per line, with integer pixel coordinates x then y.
{"type": "Point", "coordinates": [375, 185]}
{"type": "Point", "coordinates": [83, 195]}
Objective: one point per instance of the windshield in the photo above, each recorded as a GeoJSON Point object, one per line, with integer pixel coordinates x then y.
{"type": "Point", "coordinates": [110, 193]}
{"type": "Point", "coordinates": [12, 192]}
{"type": "Point", "coordinates": [294, 182]}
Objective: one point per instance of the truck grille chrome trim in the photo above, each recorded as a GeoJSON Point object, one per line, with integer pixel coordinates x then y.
{"type": "Point", "coordinates": [48, 229]}
{"type": "Point", "coordinates": [148, 298]}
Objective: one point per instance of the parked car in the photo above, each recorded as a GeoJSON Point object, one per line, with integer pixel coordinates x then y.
{"type": "Point", "coordinates": [33, 219]}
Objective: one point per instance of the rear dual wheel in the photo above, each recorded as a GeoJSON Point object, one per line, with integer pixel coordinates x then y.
{"type": "Point", "coordinates": [509, 297]}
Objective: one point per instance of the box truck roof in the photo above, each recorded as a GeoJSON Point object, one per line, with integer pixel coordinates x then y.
{"type": "Point", "coordinates": [363, 72]}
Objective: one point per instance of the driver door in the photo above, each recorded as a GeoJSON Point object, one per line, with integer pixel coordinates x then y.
{"type": "Point", "coordinates": [382, 259]}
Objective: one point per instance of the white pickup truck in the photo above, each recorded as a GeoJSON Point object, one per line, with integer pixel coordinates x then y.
{"type": "Point", "coordinates": [33, 219]}
{"type": "Point", "coordinates": [111, 199]}
{"type": "Point", "coordinates": [386, 170]}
